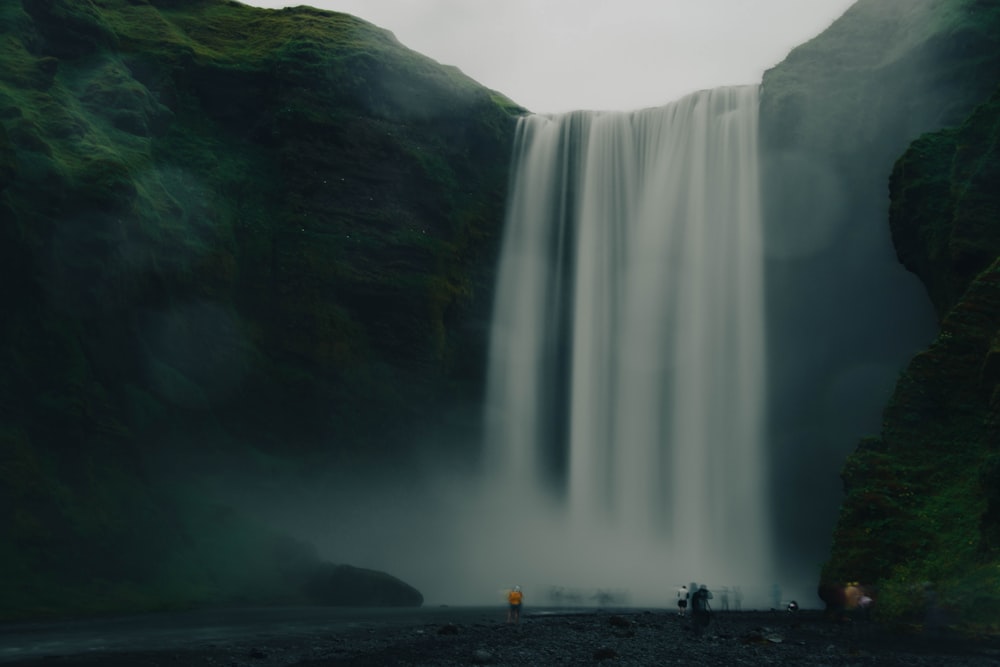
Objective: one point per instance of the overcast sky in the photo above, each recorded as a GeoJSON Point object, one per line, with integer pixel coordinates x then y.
{"type": "Point", "coordinates": [564, 55]}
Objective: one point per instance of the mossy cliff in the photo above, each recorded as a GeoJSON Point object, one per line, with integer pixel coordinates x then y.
{"type": "Point", "coordinates": [845, 317]}
{"type": "Point", "coordinates": [922, 510]}
{"type": "Point", "coordinates": [920, 516]}
{"type": "Point", "coordinates": [229, 237]}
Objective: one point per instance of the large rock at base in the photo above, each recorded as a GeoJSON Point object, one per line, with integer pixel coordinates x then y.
{"type": "Point", "coordinates": [347, 586]}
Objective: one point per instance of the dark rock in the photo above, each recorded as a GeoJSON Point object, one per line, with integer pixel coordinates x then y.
{"type": "Point", "coordinates": [338, 232]}
{"type": "Point", "coordinates": [941, 426]}
{"type": "Point", "coordinates": [762, 636]}
{"type": "Point", "coordinates": [605, 653]}
{"type": "Point", "coordinates": [482, 657]}
{"type": "Point", "coordinates": [70, 28]}
{"type": "Point", "coordinates": [345, 585]}
{"type": "Point", "coordinates": [835, 116]}
{"type": "Point", "coordinates": [619, 622]}
{"type": "Point", "coordinates": [812, 641]}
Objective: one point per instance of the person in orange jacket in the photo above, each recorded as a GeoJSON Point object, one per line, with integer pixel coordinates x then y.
{"type": "Point", "coordinates": [514, 599]}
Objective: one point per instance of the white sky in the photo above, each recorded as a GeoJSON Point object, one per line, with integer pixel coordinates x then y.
{"type": "Point", "coordinates": [563, 55]}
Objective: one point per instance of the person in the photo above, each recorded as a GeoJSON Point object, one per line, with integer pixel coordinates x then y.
{"type": "Point", "coordinates": [865, 603]}
{"type": "Point", "coordinates": [701, 612]}
{"type": "Point", "coordinates": [514, 599]}
{"type": "Point", "coordinates": [682, 600]}
{"type": "Point", "coordinates": [852, 595]}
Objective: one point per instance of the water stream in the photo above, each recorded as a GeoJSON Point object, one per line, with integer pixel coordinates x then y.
{"type": "Point", "coordinates": [627, 368]}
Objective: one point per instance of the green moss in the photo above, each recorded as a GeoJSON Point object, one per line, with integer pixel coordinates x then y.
{"type": "Point", "coordinates": [876, 56]}
{"type": "Point", "coordinates": [240, 233]}
{"type": "Point", "coordinates": [920, 512]}
{"type": "Point", "coordinates": [942, 211]}
{"type": "Point", "coordinates": [71, 27]}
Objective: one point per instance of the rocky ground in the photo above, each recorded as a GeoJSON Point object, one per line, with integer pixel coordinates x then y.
{"type": "Point", "coordinates": [603, 637]}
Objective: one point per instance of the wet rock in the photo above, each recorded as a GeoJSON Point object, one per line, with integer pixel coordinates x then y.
{"type": "Point", "coordinates": [482, 657]}
{"type": "Point", "coordinates": [448, 629]}
{"type": "Point", "coordinates": [345, 585]}
{"type": "Point", "coordinates": [762, 636]}
{"type": "Point", "coordinates": [605, 653]}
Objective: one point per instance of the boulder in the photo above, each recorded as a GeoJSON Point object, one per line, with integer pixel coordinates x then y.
{"type": "Point", "coordinates": [348, 586]}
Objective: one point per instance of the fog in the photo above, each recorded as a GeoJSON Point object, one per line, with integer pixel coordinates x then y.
{"type": "Point", "coordinates": [566, 55]}
{"type": "Point", "coordinates": [624, 450]}
{"type": "Point", "coordinates": [464, 541]}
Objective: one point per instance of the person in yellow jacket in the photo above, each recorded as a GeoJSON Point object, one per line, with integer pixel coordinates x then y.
{"type": "Point", "coordinates": [514, 599]}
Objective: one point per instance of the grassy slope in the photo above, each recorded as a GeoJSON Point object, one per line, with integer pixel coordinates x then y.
{"type": "Point", "coordinates": [236, 235]}
{"type": "Point", "coordinates": [911, 60]}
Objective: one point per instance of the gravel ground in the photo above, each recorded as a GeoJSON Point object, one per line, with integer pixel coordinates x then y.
{"type": "Point", "coordinates": [612, 638]}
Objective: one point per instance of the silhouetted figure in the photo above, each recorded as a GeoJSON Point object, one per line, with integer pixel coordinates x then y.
{"type": "Point", "coordinates": [683, 595]}
{"type": "Point", "coordinates": [701, 612]}
{"type": "Point", "coordinates": [724, 598]}
{"type": "Point", "coordinates": [738, 597]}
{"type": "Point", "coordinates": [514, 599]}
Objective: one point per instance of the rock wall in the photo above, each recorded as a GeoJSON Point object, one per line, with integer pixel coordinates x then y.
{"type": "Point", "coordinates": [922, 512]}
{"type": "Point", "coordinates": [237, 244]}
{"type": "Point", "coordinates": [844, 316]}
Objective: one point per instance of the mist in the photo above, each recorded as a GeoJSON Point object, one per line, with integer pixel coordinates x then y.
{"type": "Point", "coordinates": [562, 56]}
{"type": "Point", "coordinates": [464, 540]}
{"type": "Point", "coordinates": [622, 445]}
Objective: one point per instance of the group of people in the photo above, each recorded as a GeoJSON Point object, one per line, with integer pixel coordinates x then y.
{"type": "Point", "coordinates": [846, 602]}
{"type": "Point", "coordinates": [849, 597]}
{"type": "Point", "coordinates": [701, 611]}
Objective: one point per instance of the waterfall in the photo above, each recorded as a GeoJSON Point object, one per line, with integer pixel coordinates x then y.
{"type": "Point", "coordinates": [626, 379]}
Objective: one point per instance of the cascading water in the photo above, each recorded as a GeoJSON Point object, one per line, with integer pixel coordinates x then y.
{"type": "Point", "coordinates": [626, 386]}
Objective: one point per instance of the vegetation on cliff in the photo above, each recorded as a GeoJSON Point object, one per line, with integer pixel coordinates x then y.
{"type": "Point", "coordinates": [918, 520]}
{"type": "Point", "coordinates": [922, 510]}
{"type": "Point", "coordinates": [231, 237]}
{"type": "Point", "coordinates": [844, 317]}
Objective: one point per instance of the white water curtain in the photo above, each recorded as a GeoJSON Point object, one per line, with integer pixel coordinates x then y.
{"type": "Point", "coordinates": [627, 356]}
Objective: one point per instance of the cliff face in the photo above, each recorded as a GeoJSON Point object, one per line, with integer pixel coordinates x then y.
{"type": "Point", "coordinates": [231, 237]}
{"type": "Point", "coordinates": [922, 507]}
{"type": "Point", "coordinates": [844, 316]}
